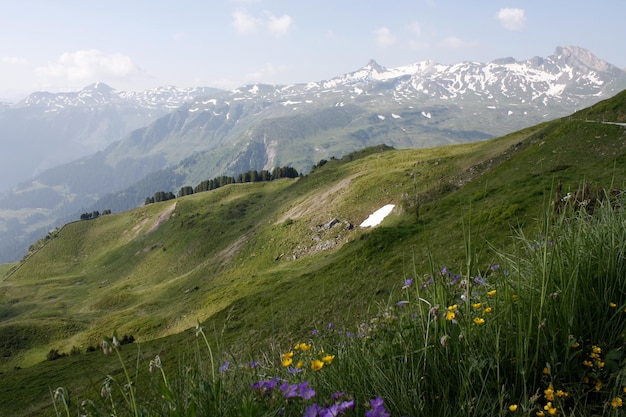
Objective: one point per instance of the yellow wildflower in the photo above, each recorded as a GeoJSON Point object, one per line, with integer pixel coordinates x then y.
{"type": "Point", "coordinates": [317, 364]}
{"type": "Point", "coordinates": [488, 310]}
{"type": "Point", "coordinates": [513, 408]}
{"type": "Point", "coordinates": [575, 345]}
{"type": "Point", "coordinates": [453, 307]}
{"type": "Point", "coordinates": [287, 361]}
{"type": "Point", "coordinates": [479, 320]}
{"type": "Point", "coordinates": [477, 305]}
{"type": "Point", "coordinates": [561, 393]}
{"type": "Point", "coordinates": [491, 293]}
{"type": "Point", "coordinates": [596, 349]}
{"type": "Point", "coordinates": [546, 370]}
{"type": "Point", "coordinates": [598, 386]}
{"type": "Point", "coordinates": [612, 304]}
{"type": "Point", "coordinates": [549, 393]}
{"type": "Point", "coordinates": [540, 413]}
{"type": "Point", "coordinates": [624, 389]}
{"type": "Point", "coordinates": [587, 363]}
{"type": "Point", "coordinates": [616, 402]}
{"type": "Point", "coordinates": [514, 297]}
{"type": "Point", "coordinates": [299, 364]}
{"type": "Point", "coordinates": [550, 409]}
{"type": "Point", "coordinates": [288, 355]}
{"type": "Point", "coordinates": [328, 359]}
{"type": "Point", "coordinates": [600, 364]}
{"type": "Point", "coordinates": [450, 315]}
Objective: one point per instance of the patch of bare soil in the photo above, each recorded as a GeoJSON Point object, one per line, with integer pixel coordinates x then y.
{"type": "Point", "coordinates": [316, 203]}
{"type": "Point", "coordinates": [163, 216]}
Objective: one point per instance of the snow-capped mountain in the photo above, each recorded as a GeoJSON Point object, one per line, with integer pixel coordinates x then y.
{"type": "Point", "coordinates": [182, 137]}
{"type": "Point", "coordinates": [99, 94]}
{"type": "Point", "coordinates": [48, 129]}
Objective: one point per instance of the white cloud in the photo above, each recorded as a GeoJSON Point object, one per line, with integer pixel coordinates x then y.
{"type": "Point", "coordinates": [245, 23]}
{"type": "Point", "coordinates": [512, 18]}
{"type": "Point", "coordinates": [384, 37]}
{"type": "Point", "coordinates": [89, 65]}
{"type": "Point", "coordinates": [278, 26]}
{"type": "Point", "coordinates": [452, 42]}
{"type": "Point", "coordinates": [264, 74]}
{"type": "Point", "coordinates": [13, 60]}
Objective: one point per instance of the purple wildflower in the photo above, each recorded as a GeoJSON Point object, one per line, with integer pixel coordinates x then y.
{"type": "Point", "coordinates": [378, 408]}
{"type": "Point", "coordinates": [402, 303]}
{"type": "Point", "coordinates": [336, 396]}
{"type": "Point", "coordinates": [224, 367]}
{"type": "Point", "coordinates": [305, 392]}
{"type": "Point", "coordinates": [265, 386]}
{"type": "Point", "coordinates": [254, 364]}
{"type": "Point", "coordinates": [311, 411]}
{"type": "Point", "coordinates": [407, 283]}
{"type": "Point", "coordinates": [478, 280]}
{"type": "Point", "coordinates": [289, 390]}
{"type": "Point", "coordinates": [495, 267]}
{"type": "Point", "coordinates": [444, 270]}
{"type": "Point", "coordinates": [313, 332]}
{"type": "Point", "coordinates": [330, 326]}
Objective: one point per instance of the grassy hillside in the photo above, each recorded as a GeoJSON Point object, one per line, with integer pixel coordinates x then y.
{"type": "Point", "coordinates": [261, 264]}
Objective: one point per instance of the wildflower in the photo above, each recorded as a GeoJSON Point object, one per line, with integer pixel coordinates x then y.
{"type": "Point", "coordinates": [453, 307]}
{"type": "Point", "coordinates": [317, 364]}
{"type": "Point", "coordinates": [596, 349]}
{"type": "Point", "coordinates": [513, 408]}
{"type": "Point", "coordinates": [488, 310]}
{"type": "Point", "coordinates": [300, 364]}
{"type": "Point", "coordinates": [540, 413]}
{"type": "Point", "coordinates": [254, 364]}
{"type": "Point", "coordinates": [450, 315]}
{"type": "Point", "coordinates": [616, 402]}
{"type": "Point", "coordinates": [287, 361]}
{"type": "Point", "coordinates": [407, 283]}
{"type": "Point", "coordinates": [328, 359]}
{"type": "Point", "coordinates": [378, 408]}
{"type": "Point", "coordinates": [549, 393]}
{"type": "Point", "coordinates": [514, 297]}
{"type": "Point", "coordinates": [305, 392]}
{"type": "Point", "coordinates": [612, 305]}
{"type": "Point", "coordinates": [313, 332]}
{"type": "Point", "coordinates": [479, 320]}
{"type": "Point", "coordinates": [546, 370]}
{"type": "Point", "coordinates": [155, 363]}
{"type": "Point", "coordinates": [575, 345]}
{"type": "Point", "coordinates": [477, 305]}
{"type": "Point", "coordinates": [444, 342]}
{"type": "Point", "coordinates": [588, 363]}
{"type": "Point", "coordinates": [224, 367]}
{"type": "Point", "coordinates": [550, 409]}
{"type": "Point", "coordinates": [402, 303]}
{"type": "Point", "coordinates": [491, 293]}
{"type": "Point", "coordinates": [303, 347]}
{"type": "Point", "coordinates": [598, 386]}
{"type": "Point", "coordinates": [624, 389]}
{"type": "Point", "coordinates": [495, 267]}
{"type": "Point", "coordinates": [562, 394]}
{"type": "Point", "coordinates": [289, 390]}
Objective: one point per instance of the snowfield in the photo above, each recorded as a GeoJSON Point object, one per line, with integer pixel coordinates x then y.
{"type": "Point", "coordinates": [377, 217]}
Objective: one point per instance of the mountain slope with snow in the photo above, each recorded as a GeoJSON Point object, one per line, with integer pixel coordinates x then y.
{"type": "Point", "coordinates": [182, 137]}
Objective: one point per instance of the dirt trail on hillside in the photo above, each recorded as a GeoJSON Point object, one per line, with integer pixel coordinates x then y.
{"type": "Point", "coordinates": [163, 216]}
{"type": "Point", "coordinates": [317, 202]}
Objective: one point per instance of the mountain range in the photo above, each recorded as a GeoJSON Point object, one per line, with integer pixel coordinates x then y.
{"type": "Point", "coordinates": [167, 138]}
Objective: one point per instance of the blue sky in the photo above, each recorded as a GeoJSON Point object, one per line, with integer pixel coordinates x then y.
{"type": "Point", "coordinates": [64, 45]}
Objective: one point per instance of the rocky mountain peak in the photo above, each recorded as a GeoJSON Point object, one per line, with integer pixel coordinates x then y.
{"type": "Point", "coordinates": [575, 55]}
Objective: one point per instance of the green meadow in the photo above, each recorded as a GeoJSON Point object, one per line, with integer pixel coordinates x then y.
{"type": "Point", "coordinates": [494, 287]}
